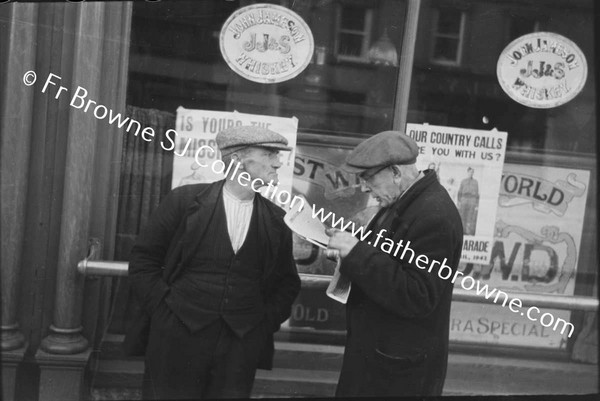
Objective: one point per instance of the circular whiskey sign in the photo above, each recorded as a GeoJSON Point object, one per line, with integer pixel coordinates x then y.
{"type": "Point", "coordinates": [266, 43]}
{"type": "Point", "coordinates": [542, 70]}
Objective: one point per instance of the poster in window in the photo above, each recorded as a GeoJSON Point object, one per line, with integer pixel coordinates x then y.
{"type": "Point", "coordinates": [195, 134]}
{"type": "Point", "coordinates": [539, 225]}
{"type": "Point", "coordinates": [319, 178]}
{"type": "Point", "coordinates": [468, 164]}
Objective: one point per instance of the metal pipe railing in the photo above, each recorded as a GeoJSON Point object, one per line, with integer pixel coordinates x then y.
{"type": "Point", "coordinates": [102, 268]}
{"type": "Point", "coordinates": [110, 268]}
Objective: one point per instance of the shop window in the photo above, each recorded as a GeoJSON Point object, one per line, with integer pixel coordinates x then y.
{"type": "Point", "coordinates": [335, 103]}
{"type": "Point", "coordinates": [554, 146]}
{"type": "Point", "coordinates": [448, 36]}
{"type": "Point", "coordinates": [353, 32]}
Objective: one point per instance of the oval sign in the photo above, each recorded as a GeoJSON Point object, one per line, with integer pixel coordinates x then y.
{"type": "Point", "coordinates": [266, 43]}
{"type": "Point", "coordinates": [542, 70]}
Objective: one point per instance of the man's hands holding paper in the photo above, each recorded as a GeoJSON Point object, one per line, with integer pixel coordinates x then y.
{"type": "Point", "coordinates": [340, 245]}
{"type": "Point", "coordinates": [340, 241]}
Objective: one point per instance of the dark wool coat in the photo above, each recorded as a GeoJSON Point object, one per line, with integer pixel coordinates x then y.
{"type": "Point", "coordinates": [168, 243]}
{"type": "Point", "coordinates": [397, 313]}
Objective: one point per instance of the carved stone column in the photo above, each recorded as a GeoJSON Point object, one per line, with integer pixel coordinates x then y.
{"type": "Point", "coordinates": [15, 138]}
{"type": "Point", "coordinates": [65, 332]}
{"type": "Point", "coordinates": [98, 33]}
{"type": "Point", "coordinates": [15, 129]}
{"type": "Point", "coordinates": [91, 50]}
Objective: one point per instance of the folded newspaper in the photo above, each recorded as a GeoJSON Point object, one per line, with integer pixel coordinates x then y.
{"type": "Point", "coordinates": [339, 287]}
{"type": "Point", "coordinates": [299, 219]}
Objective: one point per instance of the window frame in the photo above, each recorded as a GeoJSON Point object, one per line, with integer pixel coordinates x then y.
{"type": "Point", "coordinates": [537, 26]}
{"type": "Point", "coordinates": [435, 34]}
{"type": "Point", "coordinates": [366, 34]}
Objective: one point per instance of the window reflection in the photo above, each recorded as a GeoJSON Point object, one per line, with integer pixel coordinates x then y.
{"type": "Point", "coordinates": [343, 90]}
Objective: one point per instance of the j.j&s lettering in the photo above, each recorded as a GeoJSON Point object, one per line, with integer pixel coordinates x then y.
{"type": "Point", "coordinates": [544, 70]}
{"type": "Point", "coordinates": [268, 43]}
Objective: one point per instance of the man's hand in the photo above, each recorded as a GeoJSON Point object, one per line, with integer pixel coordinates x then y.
{"type": "Point", "coordinates": [341, 241]}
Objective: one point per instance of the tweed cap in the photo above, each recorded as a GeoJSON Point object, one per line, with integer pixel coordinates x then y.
{"type": "Point", "coordinates": [235, 138]}
{"type": "Point", "coordinates": [384, 149]}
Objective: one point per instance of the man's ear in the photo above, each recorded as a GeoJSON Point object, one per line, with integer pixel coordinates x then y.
{"type": "Point", "coordinates": [238, 159]}
{"type": "Point", "coordinates": [397, 175]}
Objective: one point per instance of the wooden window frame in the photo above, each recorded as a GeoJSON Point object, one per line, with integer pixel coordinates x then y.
{"type": "Point", "coordinates": [435, 35]}
{"type": "Point", "coordinates": [365, 33]}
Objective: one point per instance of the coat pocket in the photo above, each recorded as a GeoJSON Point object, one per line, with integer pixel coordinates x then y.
{"type": "Point", "coordinates": [397, 372]}
{"type": "Point", "coordinates": [414, 358]}
{"type": "Point", "coordinates": [401, 356]}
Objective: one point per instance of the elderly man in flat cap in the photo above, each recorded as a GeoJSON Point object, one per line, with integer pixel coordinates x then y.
{"type": "Point", "coordinates": [215, 276]}
{"type": "Point", "coordinates": [399, 306]}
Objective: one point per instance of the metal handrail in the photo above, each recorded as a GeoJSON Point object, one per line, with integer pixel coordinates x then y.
{"type": "Point", "coordinates": [565, 302]}
{"type": "Point", "coordinates": [102, 268]}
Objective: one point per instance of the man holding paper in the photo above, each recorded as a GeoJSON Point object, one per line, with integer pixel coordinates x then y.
{"type": "Point", "coordinates": [399, 305]}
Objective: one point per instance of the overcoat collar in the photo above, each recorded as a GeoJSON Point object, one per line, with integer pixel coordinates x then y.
{"type": "Point", "coordinates": [405, 200]}
{"type": "Point", "coordinates": [414, 191]}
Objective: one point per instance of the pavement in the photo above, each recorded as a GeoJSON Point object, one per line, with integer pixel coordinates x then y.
{"type": "Point", "coordinates": [306, 370]}
{"type": "Point", "coordinates": [312, 370]}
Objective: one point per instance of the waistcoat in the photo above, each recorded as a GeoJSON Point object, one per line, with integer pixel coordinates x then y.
{"type": "Point", "coordinates": [218, 283]}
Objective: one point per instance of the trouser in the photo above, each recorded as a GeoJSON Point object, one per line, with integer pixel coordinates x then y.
{"type": "Point", "coordinates": [468, 214]}
{"type": "Point", "coordinates": [212, 363]}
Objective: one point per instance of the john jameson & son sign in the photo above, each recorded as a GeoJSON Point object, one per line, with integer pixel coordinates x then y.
{"type": "Point", "coordinates": [542, 70]}
{"type": "Point", "coordinates": [266, 43]}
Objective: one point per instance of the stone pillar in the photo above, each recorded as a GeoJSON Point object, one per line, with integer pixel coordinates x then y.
{"type": "Point", "coordinates": [15, 138]}
{"type": "Point", "coordinates": [10, 364]}
{"type": "Point", "coordinates": [100, 43]}
{"type": "Point", "coordinates": [90, 51]}
{"type": "Point", "coordinates": [65, 332]}
{"type": "Point", "coordinates": [15, 126]}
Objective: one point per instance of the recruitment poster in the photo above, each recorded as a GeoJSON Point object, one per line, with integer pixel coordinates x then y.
{"type": "Point", "coordinates": [198, 128]}
{"type": "Point", "coordinates": [539, 225]}
{"type": "Point", "coordinates": [319, 178]}
{"type": "Point", "coordinates": [469, 165]}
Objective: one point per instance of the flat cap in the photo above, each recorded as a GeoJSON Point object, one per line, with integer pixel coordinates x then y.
{"type": "Point", "coordinates": [235, 138]}
{"type": "Point", "coordinates": [384, 149]}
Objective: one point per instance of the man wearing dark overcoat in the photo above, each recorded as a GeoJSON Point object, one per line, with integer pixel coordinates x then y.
{"type": "Point", "coordinates": [401, 275]}
{"type": "Point", "coordinates": [215, 276]}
